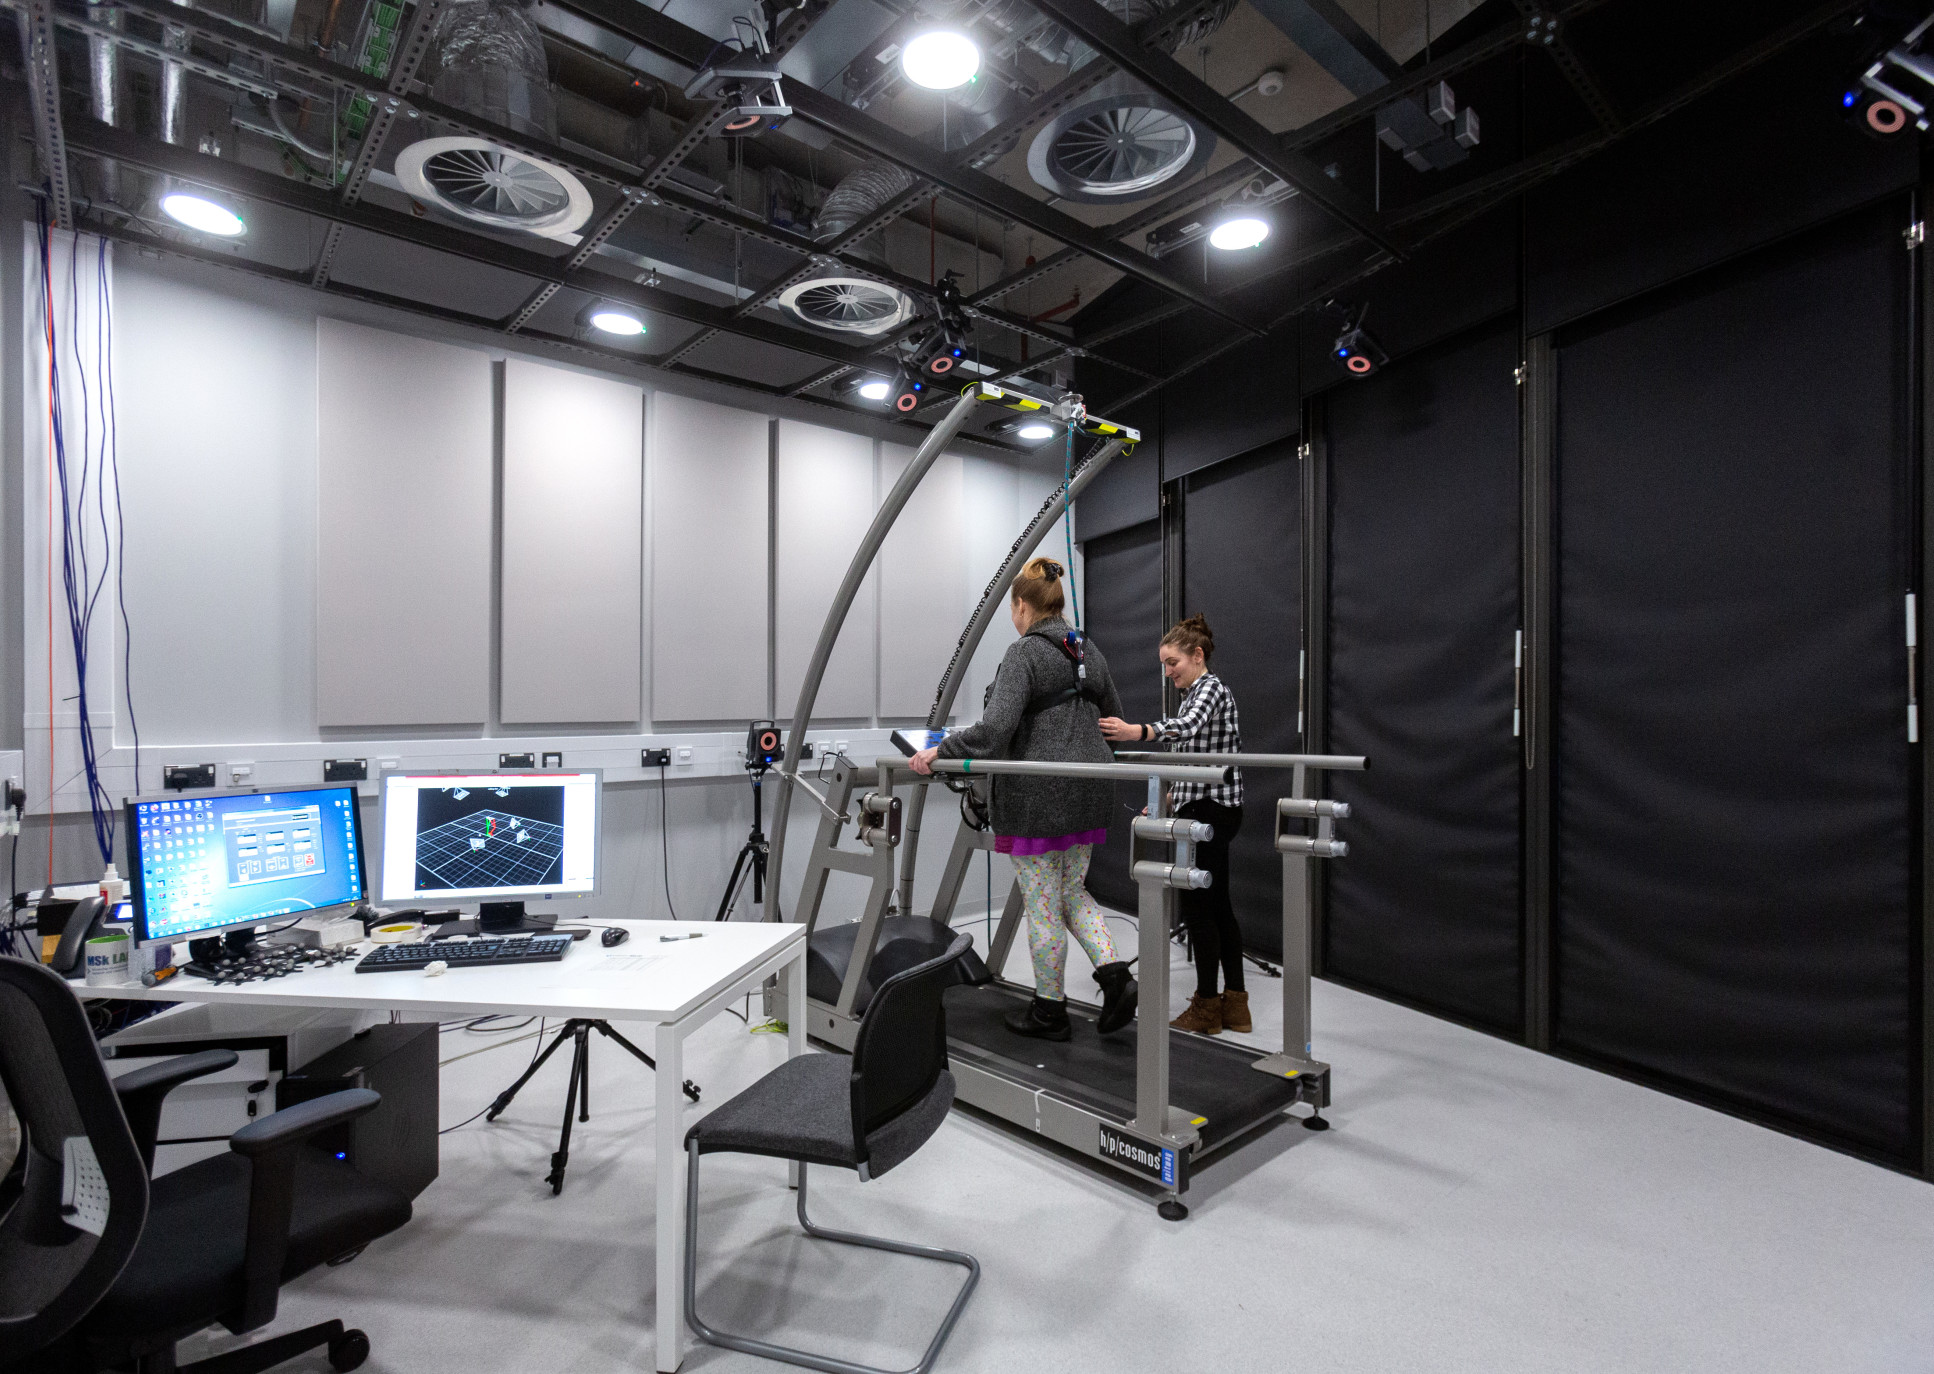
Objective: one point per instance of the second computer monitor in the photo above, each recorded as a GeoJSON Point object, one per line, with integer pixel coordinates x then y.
{"type": "Point", "coordinates": [490, 838]}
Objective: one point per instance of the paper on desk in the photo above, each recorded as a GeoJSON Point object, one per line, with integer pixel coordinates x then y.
{"type": "Point", "coordinates": [625, 963]}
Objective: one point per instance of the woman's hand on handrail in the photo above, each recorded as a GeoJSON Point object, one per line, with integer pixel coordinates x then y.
{"type": "Point", "coordinates": [922, 762]}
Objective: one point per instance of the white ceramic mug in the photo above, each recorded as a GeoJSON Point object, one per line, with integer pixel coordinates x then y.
{"type": "Point", "coordinates": [107, 959]}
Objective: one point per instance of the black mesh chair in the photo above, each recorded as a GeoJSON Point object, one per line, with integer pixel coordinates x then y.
{"type": "Point", "coordinates": [102, 1267]}
{"type": "Point", "coordinates": [867, 1113]}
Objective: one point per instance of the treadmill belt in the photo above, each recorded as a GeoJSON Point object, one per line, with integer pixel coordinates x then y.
{"type": "Point", "coordinates": [1207, 1077]}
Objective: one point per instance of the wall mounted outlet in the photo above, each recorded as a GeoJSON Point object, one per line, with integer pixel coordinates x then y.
{"type": "Point", "coordinates": [179, 777]}
{"type": "Point", "coordinates": [345, 770]}
{"type": "Point", "coordinates": [517, 760]}
{"type": "Point", "coordinates": [553, 758]}
{"type": "Point", "coordinates": [239, 774]}
{"type": "Point", "coordinates": [388, 765]}
{"type": "Point", "coordinates": [685, 754]}
{"type": "Point", "coordinates": [656, 758]}
{"type": "Point", "coordinates": [840, 746]}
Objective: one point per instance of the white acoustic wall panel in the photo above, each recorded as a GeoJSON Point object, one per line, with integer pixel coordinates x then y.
{"type": "Point", "coordinates": [707, 469]}
{"type": "Point", "coordinates": [403, 506]}
{"type": "Point", "coordinates": [994, 520]}
{"type": "Point", "coordinates": [825, 504]}
{"type": "Point", "coordinates": [573, 560]}
{"type": "Point", "coordinates": [922, 586]}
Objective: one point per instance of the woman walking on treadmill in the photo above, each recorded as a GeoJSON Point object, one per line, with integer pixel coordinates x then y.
{"type": "Point", "coordinates": [1205, 724]}
{"type": "Point", "coordinates": [1051, 690]}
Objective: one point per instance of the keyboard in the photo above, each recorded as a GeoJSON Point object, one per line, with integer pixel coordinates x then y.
{"type": "Point", "coordinates": [535, 949]}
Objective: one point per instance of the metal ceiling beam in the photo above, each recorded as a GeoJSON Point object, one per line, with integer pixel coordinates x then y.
{"type": "Point", "coordinates": [376, 132]}
{"type": "Point", "coordinates": [1545, 31]}
{"type": "Point", "coordinates": [101, 140]}
{"type": "Point", "coordinates": [43, 83]}
{"type": "Point", "coordinates": [1513, 181]}
{"type": "Point", "coordinates": [698, 128]}
{"type": "Point", "coordinates": [668, 38]}
{"type": "Point", "coordinates": [1099, 29]}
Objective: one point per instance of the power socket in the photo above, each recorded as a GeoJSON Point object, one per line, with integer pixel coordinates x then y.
{"type": "Point", "coordinates": [656, 758]}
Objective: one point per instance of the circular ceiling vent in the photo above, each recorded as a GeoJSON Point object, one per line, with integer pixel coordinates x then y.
{"type": "Point", "coordinates": [487, 183]}
{"type": "Point", "coordinates": [848, 305]}
{"type": "Point", "coordinates": [1119, 144]}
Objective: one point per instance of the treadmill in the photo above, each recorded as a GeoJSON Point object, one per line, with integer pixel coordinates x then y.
{"type": "Point", "coordinates": [1150, 1105]}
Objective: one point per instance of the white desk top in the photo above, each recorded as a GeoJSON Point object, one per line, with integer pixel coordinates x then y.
{"type": "Point", "coordinates": [644, 979]}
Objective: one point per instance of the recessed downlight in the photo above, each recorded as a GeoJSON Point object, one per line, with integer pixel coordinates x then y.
{"type": "Point", "coordinates": [876, 390]}
{"type": "Point", "coordinates": [940, 60]}
{"type": "Point", "coordinates": [613, 319]}
{"type": "Point", "coordinates": [202, 214]}
{"type": "Point", "coordinates": [1239, 231]}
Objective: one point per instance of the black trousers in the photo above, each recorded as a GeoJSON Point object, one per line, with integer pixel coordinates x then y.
{"type": "Point", "coordinates": [1214, 937]}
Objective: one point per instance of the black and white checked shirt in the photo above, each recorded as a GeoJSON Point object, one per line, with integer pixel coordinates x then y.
{"type": "Point", "coordinates": [1206, 724]}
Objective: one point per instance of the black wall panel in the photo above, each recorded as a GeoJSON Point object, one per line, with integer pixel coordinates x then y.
{"type": "Point", "coordinates": [1757, 159]}
{"type": "Point", "coordinates": [1424, 591]}
{"type": "Point", "coordinates": [1242, 567]}
{"type": "Point", "coordinates": [1733, 818]}
{"type": "Point", "coordinates": [1122, 611]}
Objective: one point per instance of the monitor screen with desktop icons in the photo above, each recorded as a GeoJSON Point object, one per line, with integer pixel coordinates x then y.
{"type": "Point", "coordinates": [489, 836]}
{"type": "Point", "coordinates": [202, 865]}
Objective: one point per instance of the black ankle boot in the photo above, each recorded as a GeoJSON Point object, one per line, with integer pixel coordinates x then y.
{"type": "Point", "coordinates": [1043, 1020]}
{"type": "Point", "coordinates": [1117, 997]}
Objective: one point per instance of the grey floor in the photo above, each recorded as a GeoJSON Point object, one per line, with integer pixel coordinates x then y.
{"type": "Point", "coordinates": [1477, 1207]}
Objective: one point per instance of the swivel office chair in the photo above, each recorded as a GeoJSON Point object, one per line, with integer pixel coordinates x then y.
{"type": "Point", "coordinates": [102, 1266]}
{"type": "Point", "coordinates": [866, 1113]}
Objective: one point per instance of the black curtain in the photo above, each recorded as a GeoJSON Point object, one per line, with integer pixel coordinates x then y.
{"type": "Point", "coordinates": [1734, 787]}
{"type": "Point", "coordinates": [1242, 567]}
{"type": "Point", "coordinates": [1424, 593]}
{"type": "Point", "coordinates": [1121, 610]}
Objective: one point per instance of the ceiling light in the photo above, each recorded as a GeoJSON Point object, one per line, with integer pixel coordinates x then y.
{"type": "Point", "coordinates": [200, 213]}
{"type": "Point", "coordinates": [940, 60]}
{"type": "Point", "coordinates": [612, 319]}
{"type": "Point", "coordinates": [1239, 231]}
{"type": "Point", "coordinates": [876, 389]}
{"type": "Point", "coordinates": [1034, 432]}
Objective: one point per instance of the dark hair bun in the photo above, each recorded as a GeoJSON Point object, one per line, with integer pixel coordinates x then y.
{"type": "Point", "coordinates": [1052, 570]}
{"type": "Point", "coordinates": [1192, 634]}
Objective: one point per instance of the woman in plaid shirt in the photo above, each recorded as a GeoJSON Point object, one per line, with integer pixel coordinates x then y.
{"type": "Point", "coordinates": [1205, 724]}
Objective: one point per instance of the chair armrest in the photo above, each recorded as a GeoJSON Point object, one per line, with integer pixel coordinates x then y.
{"type": "Point", "coordinates": [142, 1092]}
{"type": "Point", "coordinates": [270, 1147]}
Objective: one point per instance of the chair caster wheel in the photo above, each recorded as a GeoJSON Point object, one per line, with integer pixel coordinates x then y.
{"type": "Point", "coordinates": [1315, 1123]}
{"type": "Point", "coordinates": [1172, 1209]}
{"type": "Point", "coordinates": [349, 1350]}
{"type": "Point", "coordinates": [691, 1089]}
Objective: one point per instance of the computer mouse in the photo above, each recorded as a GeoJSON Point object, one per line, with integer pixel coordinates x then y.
{"type": "Point", "coordinates": [614, 935]}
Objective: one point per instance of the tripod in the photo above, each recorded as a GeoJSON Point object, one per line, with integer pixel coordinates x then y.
{"type": "Point", "coordinates": [579, 1093]}
{"type": "Point", "coordinates": [751, 862]}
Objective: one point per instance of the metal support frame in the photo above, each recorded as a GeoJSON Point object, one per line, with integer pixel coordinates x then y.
{"type": "Point", "coordinates": [43, 81]}
{"type": "Point", "coordinates": [1537, 427]}
{"type": "Point", "coordinates": [1922, 939]}
{"type": "Point", "coordinates": [924, 458]}
{"type": "Point", "coordinates": [1316, 629]}
{"type": "Point", "coordinates": [968, 644]}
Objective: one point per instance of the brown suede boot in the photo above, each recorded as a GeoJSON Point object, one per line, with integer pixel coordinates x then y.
{"type": "Point", "coordinates": [1204, 1016]}
{"type": "Point", "coordinates": [1235, 1011]}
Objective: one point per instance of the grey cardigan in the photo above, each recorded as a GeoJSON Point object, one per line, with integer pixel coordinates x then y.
{"type": "Point", "coordinates": [1042, 808]}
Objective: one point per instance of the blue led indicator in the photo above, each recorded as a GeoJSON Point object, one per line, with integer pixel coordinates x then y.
{"type": "Point", "coordinates": [1850, 99]}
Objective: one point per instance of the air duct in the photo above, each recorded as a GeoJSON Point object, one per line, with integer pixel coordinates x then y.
{"type": "Point", "coordinates": [490, 63]}
{"type": "Point", "coordinates": [847, 304]}
{"type": "Point", "coordinates": [104, 71]}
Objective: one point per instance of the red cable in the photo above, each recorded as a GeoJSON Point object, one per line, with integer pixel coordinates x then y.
{"type": "Point", "coordinates": [47, 297]}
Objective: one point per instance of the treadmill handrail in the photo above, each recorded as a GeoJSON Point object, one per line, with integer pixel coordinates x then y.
{"type": "Point", "coordinates": [1340, 763]}
{"type": "Point", "coordinates": [1123, 772]}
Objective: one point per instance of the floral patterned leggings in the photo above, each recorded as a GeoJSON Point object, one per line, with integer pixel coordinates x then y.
{"type": "Point", "coordinates": [1054, 889]}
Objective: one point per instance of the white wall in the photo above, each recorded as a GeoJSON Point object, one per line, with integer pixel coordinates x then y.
{"type": "Point", "coordinates": [217, 402]}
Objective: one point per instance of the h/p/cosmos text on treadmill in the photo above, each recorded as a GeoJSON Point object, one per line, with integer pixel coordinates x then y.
{"type": "Point", "coordinates": [1152, 1160]}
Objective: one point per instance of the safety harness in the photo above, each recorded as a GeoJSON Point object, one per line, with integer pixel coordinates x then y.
{"type": "Point", "coordinates": [1075, 647]}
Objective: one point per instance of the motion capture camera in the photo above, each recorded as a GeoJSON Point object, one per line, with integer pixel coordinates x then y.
{"type": "Point", "coordinates": [765, 745]}
{"type": "Point", "coordinates": [1356, 349]}
{"type": "Point", "coordinates": [1896, 88]}
{"type": "Point", "coordinates": [747, 85]}
{"type": "Point", "coordinates": [908, 391]}
{"type": "Point", "coordinates": [946, 346]}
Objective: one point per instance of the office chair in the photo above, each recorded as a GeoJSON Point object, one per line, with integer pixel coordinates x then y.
{"type": "Point", "coordinates": [102, 1266]}
{"type": "Point", "coordinates": [866, 1113]}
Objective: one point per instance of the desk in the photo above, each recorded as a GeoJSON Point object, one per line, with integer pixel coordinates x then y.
{"type": "Point", "coordinates": [677, 986]}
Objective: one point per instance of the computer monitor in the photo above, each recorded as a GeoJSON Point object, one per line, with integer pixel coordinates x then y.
{"type": "Point", "coordinates": [491, 838]}
{"type": "Point", "coordinates": [229, 861]}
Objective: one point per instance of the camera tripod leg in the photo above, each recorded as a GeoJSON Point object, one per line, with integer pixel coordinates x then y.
{"type": "Point", "coordinates": [691, 1088]}
{"type": "Point", "coordinates": [504, 1097]}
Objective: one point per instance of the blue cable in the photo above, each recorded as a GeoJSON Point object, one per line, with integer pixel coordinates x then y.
{"type": "Point", "coordinates": [1067, 518]}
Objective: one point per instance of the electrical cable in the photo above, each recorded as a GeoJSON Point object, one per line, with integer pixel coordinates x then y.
{"type": "Point", "coordinates": [1067, 519]}
{"type": "Point", "coordinates": [113, 442]}
{"type": "Point", "coordinates": [665, 840]}
{"type": "Point", "coordinates": [535, 1051]}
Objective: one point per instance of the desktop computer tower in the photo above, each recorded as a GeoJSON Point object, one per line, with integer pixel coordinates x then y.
{"type": "Point", "coordinates": [397, 1142]}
